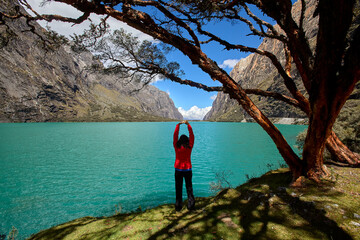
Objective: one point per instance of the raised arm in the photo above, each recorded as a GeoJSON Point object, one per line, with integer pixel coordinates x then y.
{"type": "Point", "coordinates": [176, 134]}
{"type": "Point", "coordinates": [191, 135]}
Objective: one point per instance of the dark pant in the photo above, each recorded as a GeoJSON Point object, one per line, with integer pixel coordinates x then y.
{"type": "Point", "coordinates": [179, 175]}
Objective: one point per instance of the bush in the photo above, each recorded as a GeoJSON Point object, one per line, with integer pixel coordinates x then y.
{"type": "Point", "coordinates": [221, 182]}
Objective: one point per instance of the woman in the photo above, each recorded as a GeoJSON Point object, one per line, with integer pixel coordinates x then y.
{"type": "Point", "coordinates": [183, 147]}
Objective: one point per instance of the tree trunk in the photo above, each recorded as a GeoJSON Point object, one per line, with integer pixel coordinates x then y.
{"type": "Point", "coordinates": [292, 160]}
{"type": "Point", "coordinates": [341, 153]}
{"type": "Point", "coordinates": [325, 109]}
{"type": "Point", "coordinates": [314, 147]}
{"type": "Point", "coordinates": [331, 81]}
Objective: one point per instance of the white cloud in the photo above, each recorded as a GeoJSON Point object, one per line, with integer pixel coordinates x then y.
{"type": "Point", "coordinates": [213, 97]}
{"type": "Point", "coordinates": [194, 113]}
{"type": "Point", "coordinates": [157, 78]}
{"type": "Point", "coordinates": [168, 92]}
{"type": "Point", "coordinates": [68, 29]}
{"type": "Point", "coordinates": [229, 63]}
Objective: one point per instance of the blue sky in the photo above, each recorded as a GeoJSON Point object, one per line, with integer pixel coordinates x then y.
{"type": "Point", "coordinates": [184, 97]}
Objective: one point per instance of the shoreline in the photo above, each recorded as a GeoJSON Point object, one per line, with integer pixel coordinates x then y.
{"type": "Point", "coordinates": [286, 121]}
{"type": "Point", "coordinates": [263, 207]}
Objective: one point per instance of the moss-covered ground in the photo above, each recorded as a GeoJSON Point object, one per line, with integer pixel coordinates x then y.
{"type": "Point", "coordinates": [263, 208]}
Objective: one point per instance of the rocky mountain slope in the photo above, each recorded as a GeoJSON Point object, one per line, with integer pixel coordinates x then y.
{"type": "Point", "coordinates": [39, 84]}
{"type": "Point", "coordinates": [256, 71]}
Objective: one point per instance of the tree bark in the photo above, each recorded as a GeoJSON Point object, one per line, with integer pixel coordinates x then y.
{"type": "Point", "coordinates": [329, 89]}
{"type": "Point", "coordinates": [314, 146]}
{"type": "Point", "coordinates": [293, 161]}
{"type": "Point", "coordinates": [302, 55]}
{"type": "Point", "coordinates": [341, 153]}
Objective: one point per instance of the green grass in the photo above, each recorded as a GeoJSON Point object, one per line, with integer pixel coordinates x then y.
{"type": "Point", "coordinates": [262, 208]}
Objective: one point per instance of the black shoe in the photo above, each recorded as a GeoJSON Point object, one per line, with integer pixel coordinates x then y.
{"type": "Point", "coordinates": [178, 207]}
{"type": "Point", "coordinates": [190, 208]}
{"type": "Point", "coordinates": [191, 204]}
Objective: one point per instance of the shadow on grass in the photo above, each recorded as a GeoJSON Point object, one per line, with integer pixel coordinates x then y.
{"type": "Point", "coordinates": [62, 231]}
{"type": "Point", "coordinates": [66, 229]}
{"type": "Point", "coordinates": [250, 215]}
{"type": "Point", "coordinates": [259, 209]}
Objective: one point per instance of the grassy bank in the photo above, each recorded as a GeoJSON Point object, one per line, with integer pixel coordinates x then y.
{"type": "Point", "coordinates": [263, 208]}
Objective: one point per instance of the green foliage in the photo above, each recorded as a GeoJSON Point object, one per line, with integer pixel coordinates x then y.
{"type": "Point", "coordinates": [283, 165]}
{"type": "Point", "coordinates": [205, 10]}
{"type": "Point", "coordinates": [139, 209]}
{"type": "Point", "coordinates": [13, 234]}
{"type": "Point", "coordinates": [118, 209]}
{"type": "Point", "coordinates": [90, 37]}
{"type": "Point", "coordinates": [125, 54]}
{"type": "Point", "coordinates": [356, 21]}
{"type": "Point", "coordinates": [270, 166]}
{"type": "Point", "coordinates": [347, 125]}
{"type": "Point", "coordinates": [55, 40]}
{"type": "Point", "coordinates": [221, 182]}
{"type": "Point", "coordinates": [300, 140]}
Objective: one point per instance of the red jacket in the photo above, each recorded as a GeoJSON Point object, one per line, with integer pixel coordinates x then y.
{"type": "Point", "coordinates": [183, 154]}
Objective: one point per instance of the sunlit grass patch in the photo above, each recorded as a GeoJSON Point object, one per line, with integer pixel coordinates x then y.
{"type": "Point", "coordinates": [263, 208]}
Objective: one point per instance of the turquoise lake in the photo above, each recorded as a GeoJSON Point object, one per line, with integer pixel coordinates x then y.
{"type": "Point", "coordinates": [55, 172]}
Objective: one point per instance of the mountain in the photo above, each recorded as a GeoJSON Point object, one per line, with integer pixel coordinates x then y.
{"type": "Point", "coordinates": [257, 72]}
{"type": "Point", "coordinates": [40, 84]}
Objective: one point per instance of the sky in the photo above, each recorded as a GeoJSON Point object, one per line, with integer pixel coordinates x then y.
{"type": "Point", "coordinates": [191, 102]}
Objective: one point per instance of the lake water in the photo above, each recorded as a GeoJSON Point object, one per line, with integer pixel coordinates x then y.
{"type": "Point", "coordinates": [55, 172]}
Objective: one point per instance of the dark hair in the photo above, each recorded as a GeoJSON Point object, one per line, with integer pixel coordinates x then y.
{"type": "Point", "coordinates": [183, 141]}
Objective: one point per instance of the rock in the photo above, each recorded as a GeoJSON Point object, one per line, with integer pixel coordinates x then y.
{"type": "Point", "coordinates": [356, 216]}
{"type": "Point", "coordinates": [355, 223]}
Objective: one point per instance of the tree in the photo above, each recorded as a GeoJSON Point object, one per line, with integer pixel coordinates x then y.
{"type": "Point", "coordinates": [329, 74]}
